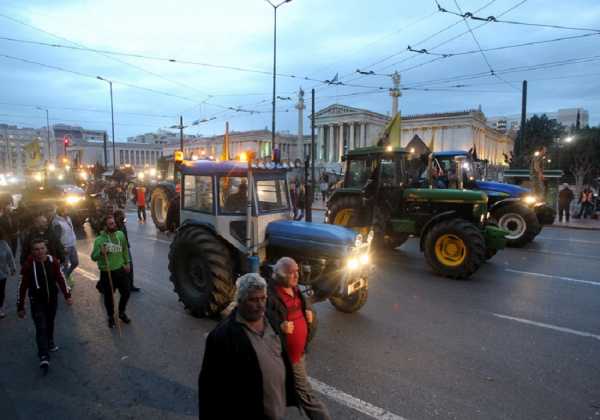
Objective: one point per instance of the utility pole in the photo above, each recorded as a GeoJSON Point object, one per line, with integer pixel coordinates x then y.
{"type": "Point", "coordinates": [395, 93]}
{"type": "Point", "coordinates": [312, 157]}
{"type": "Point", "coordinates": [523, 114]}
{"type": "Point", "coordinates": [49, 157]}
{"type": "Point", "coordinates": [181, 134]}
{"type": "Point", "coordinates": [105, 151]}
{"type": "Point", "coordinates": [112, 119]}
{"type": "Point", "coordinates": [300, 107]}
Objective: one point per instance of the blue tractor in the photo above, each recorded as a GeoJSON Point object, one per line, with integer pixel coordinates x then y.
{"type": "Point", "coordinates": [236, 219]}
{"type": "Point", "coordinates": [514, 208]}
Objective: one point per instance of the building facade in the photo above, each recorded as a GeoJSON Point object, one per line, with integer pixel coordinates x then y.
{"type": "Point", "coordinates": [565, 116]}
{"type": "Point", "coordinates": [461, 130]}
{"type": "Point", "coordinates": [160, 137]}
{"type": "Point", "coordinates": [136, 155]}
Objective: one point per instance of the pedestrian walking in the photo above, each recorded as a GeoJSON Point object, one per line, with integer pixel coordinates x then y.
{"type": "Point", "coordinates": [122, 226]}
{"type": "Point", "coordinates": [42, 278]}
{"type": "Point", "coordinates": [565, 196]}
{"type": "Point", "coordinates": [246, 373]}
{"type": "Point", "coordinates": [288, 307]}
{"type": "Point", "coordinates": [63, 227]}
{"type": "Point", "coordinates": [140, 194]}
{"type": "Point", "coordinates": [294, 199]}
{"type": "Point", "coordinates": [7, 268]}
{"type": "Point", "coordinates": [41, 230]}
{"type": "Point", "coordinates": [586, 199]}
{"type": "Point", "coordinates": [324, 187]}
{"type": "Point", "coordinates": [299, 207]}
{"type": "Point", "coordinates": [111, 255]}
{"type": "Point", "coordinates": [8, 223]}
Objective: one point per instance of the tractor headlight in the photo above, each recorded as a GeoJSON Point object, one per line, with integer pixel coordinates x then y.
{"type": "Point", "coordinates": [530, 199]}
{"type": "Point", "coordinates": [352, 263]}
{"type": "Point", "coordinates": [73, 199]}
{"type": "Point", "coordinates": [364, 259]}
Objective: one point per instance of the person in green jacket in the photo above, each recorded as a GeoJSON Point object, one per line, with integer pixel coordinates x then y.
{"type": "Point", "coordinates": [111, 247]}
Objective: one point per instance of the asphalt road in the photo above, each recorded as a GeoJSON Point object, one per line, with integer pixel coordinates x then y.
{"type": "Point", "coordinates": [520, 340]}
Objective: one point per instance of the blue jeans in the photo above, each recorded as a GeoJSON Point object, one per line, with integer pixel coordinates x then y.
{"type": "Point", "coordinates": [72, 258]}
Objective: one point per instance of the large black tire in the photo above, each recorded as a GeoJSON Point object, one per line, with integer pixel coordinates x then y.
{"type": "Point", "coordinates": [201, 271]}
{"type": "Point", "coordinates": [159, 206]}
{"type": "Point", "coordinates": [345, 211]}
{"type": "Point", "coordinates": [468, 261]}
{"type": "Point", "coordinates": [521, 223]}
{"type": "Point", "coordinates": [352, 303]}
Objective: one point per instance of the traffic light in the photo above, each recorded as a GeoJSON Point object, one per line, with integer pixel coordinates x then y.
{"type": "Point", "coordinates": [66, 141]}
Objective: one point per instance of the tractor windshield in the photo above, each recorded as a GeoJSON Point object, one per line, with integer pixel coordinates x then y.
{"type": "Point", "coordinates": [272, 195]}
{"type": "Point", "coordinates": [358, 173]}
{"type": "Point", "coordinates": [233, 194]}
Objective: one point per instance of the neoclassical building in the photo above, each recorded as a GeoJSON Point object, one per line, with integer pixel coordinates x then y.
{"type": "Point", "coordinates": [341, 128]}
{"type": "Point", "coordinates": [461, 130]}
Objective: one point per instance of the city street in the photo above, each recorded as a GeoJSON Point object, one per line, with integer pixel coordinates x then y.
{"type": "Point", "coordinates": [519, 340]}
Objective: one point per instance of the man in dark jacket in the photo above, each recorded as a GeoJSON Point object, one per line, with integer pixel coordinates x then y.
{"type": "Point", "coordinates": [42, 277]}
{"type": "Point", "coordinates": [565, 196]}
{"type": "Point", "coordinates": [41, 230]}
{"type": "Point", "coordinates": [289, 308]}
{"type": "Point", "coordinates": [246, 373]}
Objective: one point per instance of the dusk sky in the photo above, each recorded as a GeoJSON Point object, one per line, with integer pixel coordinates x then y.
{"type": "Point", "coordinates": [316, 39]}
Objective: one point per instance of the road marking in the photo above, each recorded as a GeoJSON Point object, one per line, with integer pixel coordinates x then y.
{"type": "Point", "coordinates": [572, 280]}
{"type": "Point", "coordinates": [582, 241]}
{"type": "Point", "coordinates": [549, 326]}
{"type": "Point", "coordinates": [561, 254]}
{"type": "Point", "coordinates": [86, 274]}
{"type": "Point", "coordinates": [352, 402]}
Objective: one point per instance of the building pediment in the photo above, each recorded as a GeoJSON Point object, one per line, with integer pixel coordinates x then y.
{"type": "Point", "coordinates": [338, 110]}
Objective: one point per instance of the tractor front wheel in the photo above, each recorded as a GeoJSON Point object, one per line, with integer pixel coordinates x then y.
{"type": "Point", "coordinates": [352, 303]}
{"type": "Point", "coordinates": [455, 248]}
{"type": "Point", "coordinates": [159, 207]}
{"type": "Point", "coordinates": [520, 222]}
{"type": "Point", "coordinates": [201, 271]}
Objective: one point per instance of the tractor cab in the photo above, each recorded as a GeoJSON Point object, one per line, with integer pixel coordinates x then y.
{"type": "Point", "coordinates": [456, 169]}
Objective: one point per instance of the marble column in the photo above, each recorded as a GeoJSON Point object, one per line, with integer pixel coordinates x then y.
{"type": "Point", "coordinates": [351, 140]}
{"type": "Point", "coordinates": [340, 143]}
{"type": "Point", "coordinates": [319, 144]}
{"type": "Point", "coordinates": [362, 141]}
{"type": "Point", "coordinates": [19, 153]}
{"type": "Point", "coordinates": [330, 143]}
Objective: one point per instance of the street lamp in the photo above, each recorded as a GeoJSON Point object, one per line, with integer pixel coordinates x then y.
{"type": "Point", "coordinates": [275, 7]}
{"type": "Point", "coordinates": [569, 139]}
{"type": "Point", "coordinates": [112, 118]}
{"type": "Point", "coordinates": [49, 157]}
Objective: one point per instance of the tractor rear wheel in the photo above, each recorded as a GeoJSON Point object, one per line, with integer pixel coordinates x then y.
{"type": "Point", "coordinates": [455, 248]}
{"type": "Point", "coordinates": [345, 211]}
{"type": "Point", "coordinates": [521, 223]}
{"type": "Point", "coordinates": [159, 207]}
{"type": "Point", "coordinates": [352, 303]}
{"type": "Point", "coordinates": [201, 271]}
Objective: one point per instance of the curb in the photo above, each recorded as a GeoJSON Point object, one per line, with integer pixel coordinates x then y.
{"type": "Point", "coordinates": [555, 226]}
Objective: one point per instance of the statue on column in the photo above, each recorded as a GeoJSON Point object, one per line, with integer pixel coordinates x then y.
{"type": "Point", "coordinates": [536, 174]}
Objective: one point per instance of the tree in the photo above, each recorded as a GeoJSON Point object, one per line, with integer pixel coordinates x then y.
{"type": "Point", "coordinates": [581, 158]}
{"type": "Point", "coordinates": [540, 131]}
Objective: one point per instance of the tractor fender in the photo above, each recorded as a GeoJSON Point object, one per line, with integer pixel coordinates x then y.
{"type": "Point", "coordinates": [437, 218]}
{"type": "Point", "coordinates": [207, 226]}
{"type": "Point", "coordinates": [504, 202]}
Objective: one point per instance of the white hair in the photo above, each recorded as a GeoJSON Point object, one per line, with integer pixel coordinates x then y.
{"type": "Point", "coordinates": [280, 273]}
{"type": "Point", "coordinates": [247, 283]}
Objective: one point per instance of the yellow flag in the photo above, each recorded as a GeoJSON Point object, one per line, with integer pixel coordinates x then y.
{"type": "Point", "coordinates": [33, 155]}
{"type": "Point", "coordinates": [392, 133]}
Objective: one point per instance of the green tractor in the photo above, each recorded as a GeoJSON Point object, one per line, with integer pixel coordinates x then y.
{"type": "Point", "coordinates": [452, 225]}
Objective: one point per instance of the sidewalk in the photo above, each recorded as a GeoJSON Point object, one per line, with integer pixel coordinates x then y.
{"type": "Point", "coordinates": [585, 224]}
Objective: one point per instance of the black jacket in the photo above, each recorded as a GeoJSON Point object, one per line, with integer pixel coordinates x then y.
{"type": "Point", "coordinates": [55, 247]}
{"type": "Point", "coordinates": [230, 381]}
{"type": "Point", "coordinates": [277, 312]}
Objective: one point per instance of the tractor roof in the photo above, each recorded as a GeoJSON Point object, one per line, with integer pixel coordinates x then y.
{"type": "Point", "coordinates": [225, 168]}
{"type": "Point", "coordinates": [451, 153]}
{"type": "Point", "coordinates": [374, 150]}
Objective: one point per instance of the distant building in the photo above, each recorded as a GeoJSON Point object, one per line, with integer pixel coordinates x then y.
{"type": "Point", "coordinates": [257, 141]}
{"type": "Point", "coordinates": [136, 155]}
{"type": "Point", "coordinates": [565, 116]}
{"type": "Point", "coordinates": [13, 141]}
{"type": "Point", "coordinates": [160, 137]}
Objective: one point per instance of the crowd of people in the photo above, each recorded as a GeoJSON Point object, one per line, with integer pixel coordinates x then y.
{"type": "Point", "coordinates": [47, 258]}
{"type": "Point", "coordinates": [586, 203]}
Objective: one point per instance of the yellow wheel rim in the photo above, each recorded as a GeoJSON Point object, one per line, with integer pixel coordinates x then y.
{"type": "Point", "coordinates": [450, 250]}
{"type": "Point", "coordinates": [343, 217]}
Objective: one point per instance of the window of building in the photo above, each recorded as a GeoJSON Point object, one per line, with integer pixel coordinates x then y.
{"type": "Point", "coordinates": [233, 194]}
{"type": "Point", "coordinates": [198, 193]}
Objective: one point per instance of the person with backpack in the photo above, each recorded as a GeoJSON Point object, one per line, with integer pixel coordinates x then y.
{"type": "Point", "coordinates": [63, 227]}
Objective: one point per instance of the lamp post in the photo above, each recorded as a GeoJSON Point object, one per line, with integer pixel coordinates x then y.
{"type": "Point", "coordinates": [49, 157]}
{"type": "Point", "coordinates": [275, 7]}
{"type": "Point", "coordinates": [112, 119]}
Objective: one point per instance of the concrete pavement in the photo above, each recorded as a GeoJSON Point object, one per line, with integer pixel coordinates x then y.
{"type": "Point", "coordinates": [519, 340]}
